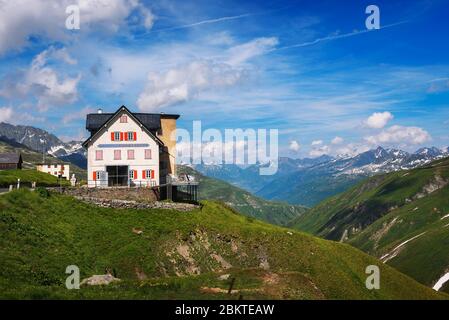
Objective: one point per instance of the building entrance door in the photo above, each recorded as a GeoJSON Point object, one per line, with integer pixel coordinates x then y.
{"type": "Point", "coordinates": [117, 175]}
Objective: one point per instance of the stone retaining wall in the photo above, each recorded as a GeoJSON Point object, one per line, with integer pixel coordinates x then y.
{"type": "Point", "coordinates": [146, 195]}
{"type": "Point", "coordinates": [129, 204]}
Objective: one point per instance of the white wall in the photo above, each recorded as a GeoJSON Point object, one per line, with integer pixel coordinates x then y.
{"type": "Point", "coordinates": [139, 163]}
{"type": "Point", "coordinates": [55, 171]}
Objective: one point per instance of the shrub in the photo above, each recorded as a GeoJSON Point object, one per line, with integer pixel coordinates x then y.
{"type": "Point", "coordinates": [43, 192]}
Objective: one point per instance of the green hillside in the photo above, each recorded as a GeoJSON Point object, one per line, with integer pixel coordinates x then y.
{"type": "Point", "coordinates": [179, 255]}
{"type": "Point", "coordinates": [243, 201]}
{"type": "Point", "coordinates": [401, 217]}
{"type": "Point", "coordinates": [27, 176]}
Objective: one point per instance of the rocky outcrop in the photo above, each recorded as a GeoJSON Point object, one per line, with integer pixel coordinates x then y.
{"type": "Point", "coordinates": [100, 280]}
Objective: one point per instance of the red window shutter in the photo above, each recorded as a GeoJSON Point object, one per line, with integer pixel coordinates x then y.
{"type": "Point", "coordinates": [143, 174]}
{"type": "Point", "coordinates": [152, 174]}
{"type": "Point", "coordinates": [135, 174]}
{"type": "Point", "coordinates": [95, 175]}
{"type": "Point", "coordinates": [112, 136]}
{"type": "Point", "coordinates": [121, 136]}
{"type": "Point", "coordinates": [126, 136]}
{"type": "Point", "coordinates": [135, 136]}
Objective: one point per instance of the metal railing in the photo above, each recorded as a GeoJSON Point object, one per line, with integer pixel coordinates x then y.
{"type": "Point", "coordinates": [108, 183]}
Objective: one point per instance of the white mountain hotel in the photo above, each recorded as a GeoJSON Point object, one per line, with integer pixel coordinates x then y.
{"type": "Point", "coordinates": [130, 149]}
{"type": "Point", "coordinates": [57, 170]}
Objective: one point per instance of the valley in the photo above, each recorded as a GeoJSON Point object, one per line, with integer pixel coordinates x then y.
{"type": "Point", "coordinates": [279, 213]}
{"type": "Point", "coordinates": [400, 217]}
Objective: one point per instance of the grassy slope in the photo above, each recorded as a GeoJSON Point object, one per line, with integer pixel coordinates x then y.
{"type": "Point", "coordinates": [27, 176]}
{"type": "Point", "coordinates": [41, 236]}
{"type": "Point", "coordinates": [243, 201]}
{"type": "Point", "coordinates": [425, 258]}
{"type": "Point", "coordinates": [378, 218]}
{"type": "Point", "coordinates": [30, 158]}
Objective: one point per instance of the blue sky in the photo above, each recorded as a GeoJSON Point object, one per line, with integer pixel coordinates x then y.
{"type": "Point", "coordinates": [307, 68]}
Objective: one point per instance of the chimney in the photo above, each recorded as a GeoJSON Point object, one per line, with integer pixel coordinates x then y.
{"type": "Point", "coordinates": [100, 110]}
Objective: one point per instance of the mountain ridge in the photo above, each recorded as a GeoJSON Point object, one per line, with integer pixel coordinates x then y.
{"type": "Point", "coordinates": [42, 141]}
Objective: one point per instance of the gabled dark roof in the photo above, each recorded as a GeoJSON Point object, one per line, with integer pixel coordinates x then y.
{"type": "Point", "coordinates": [10, 158]}
{"type": "Point", "coordinates": [94, 121]}
{"type": "Point", "coordinates": [151, 122]}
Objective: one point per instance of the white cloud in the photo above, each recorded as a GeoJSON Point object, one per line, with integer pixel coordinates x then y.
{"type": "Point", "coordinates": [243, 52]}
{"type": "Point", "coordinates": [379, 120]}
{"type": "Point", "coordinates": [352, 149]}
{"type": "Point", "coordinates": [400, 134]}
{"type": "Point", "coordinates": [319, 151]}
{"type": "Point", "coordinates": [42, 83]}
{"type": "Point", "coordinates": [184, 83]}
{"type": "Point", "coordinates": [21, 19]}
{"type": "Point", "coordinates": [316, 142]}
{"type": "Point", "coordinates": [5, 114]}
{"type": "Point", "coordinates": [187, 80]}
{"type": "Point", "coordinates": [9, 115]}
{"type": "Point", "coordinates": [337, 140]}
{"type": "Point", "coordinates": [148, 17]}
{"type": "Point", "coordinates": [220, 38]}
{"type": "Point", "coordinates": [71, 116]}
{"type": "Point", "coordinates": [294, 146]}
{"type": "Point", "coordinates": [61, 54]}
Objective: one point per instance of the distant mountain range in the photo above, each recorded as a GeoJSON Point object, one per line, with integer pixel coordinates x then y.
{"type": "Point", "coordinates": [309, 181]}
{"type": "Point", "coordinates": [42, 141]}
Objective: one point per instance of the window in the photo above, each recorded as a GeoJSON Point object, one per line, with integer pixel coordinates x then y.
{"type": "Point", "coordinates": [148, 174]}
{"type": "Point", "coordinates": [56, 165]}
{"type": "Point", "coordinates": [49, 166]}
{"type": "Point", "coordinates": [147, 153]}
{"type": "Point", "coordinates": [131, 136]}
{"type": "Point", "coordinates": [123, 119]}
{"type": "Point", "coordinates": [133, 174]}
{"type": "Point", "coordinates": [96, 175]}
{"type": "Point", "coordinates": [116, 136]}
{"type": "Point", "coordinates": [99, 155]}
{"type": "Point", "coordinates": [117, 154]}
{"type": "Point", "coordinates": [130, 154]}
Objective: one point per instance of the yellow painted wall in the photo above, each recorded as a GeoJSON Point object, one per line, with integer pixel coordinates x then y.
{"type": "Point", "coordinates": [168, 126]}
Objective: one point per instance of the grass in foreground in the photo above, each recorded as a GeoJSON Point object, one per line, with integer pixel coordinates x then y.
{"type": "Point", "coordinates": [180, 255]}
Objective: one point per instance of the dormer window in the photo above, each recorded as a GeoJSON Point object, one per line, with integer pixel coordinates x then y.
{"type": "Point", "coordinates": [124, 119]}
